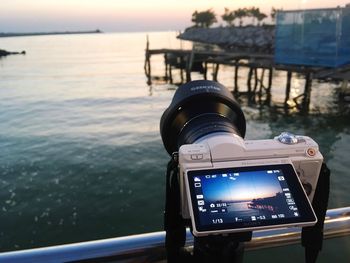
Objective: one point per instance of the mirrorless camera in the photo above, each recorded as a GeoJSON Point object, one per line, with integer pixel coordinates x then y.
{"type": "Point", "coordinates": [228, 184]}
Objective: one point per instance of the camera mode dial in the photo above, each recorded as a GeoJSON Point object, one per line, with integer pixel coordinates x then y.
{"type": "Point", "coordinates": [288, 138]}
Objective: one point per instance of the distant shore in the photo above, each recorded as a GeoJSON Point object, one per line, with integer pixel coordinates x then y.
{"type": "Point", "coordinates": [97, 31]}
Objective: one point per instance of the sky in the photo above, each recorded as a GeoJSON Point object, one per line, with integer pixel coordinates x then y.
{"type": "Point", "coordinates": [126, 15]}
{"type": "Point", "coordinates": [247, 186]}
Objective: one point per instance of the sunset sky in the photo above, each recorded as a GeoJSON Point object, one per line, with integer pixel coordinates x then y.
{"type": "Point", "coordinates": [126, 15]}
{"type": "Point", "coordinates": [246, 187]}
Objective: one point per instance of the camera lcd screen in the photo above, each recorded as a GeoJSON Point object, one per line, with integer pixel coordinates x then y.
{"type": "Point", "coordinates": [248, 197]}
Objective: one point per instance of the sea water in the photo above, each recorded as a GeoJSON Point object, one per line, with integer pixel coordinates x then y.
{"type": "Point", "coordinates": [81, 157]}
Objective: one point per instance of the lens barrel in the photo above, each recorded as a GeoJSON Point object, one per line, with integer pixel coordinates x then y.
{"type": "Point", "coordinates": [199, 108]}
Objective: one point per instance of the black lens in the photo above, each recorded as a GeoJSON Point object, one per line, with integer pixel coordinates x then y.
{"type": "Point", "coordinates": [200, 108]}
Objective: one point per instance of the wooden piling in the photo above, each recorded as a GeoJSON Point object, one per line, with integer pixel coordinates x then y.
{"type": "Point", "coordinates": [289, 79]}
{"type": "Point", "coordinates": [307, 92]}
{"type": "Point", "coordinates": [236, 88]}
{"type": "Point", "coordinates": [216, 71]}
{"type": "Point", "coordinates": [254, 63]}
{"type": "Point", "coordinates": [256, 79]}
{"type": "Point", "coordinates": [270, 80]}
{"type": "Point", "coordinates": [205, 70]}
{"type": "Point", "coordinates": [249, 80]}
{"type": "Point", "coordinates": [190, 58]}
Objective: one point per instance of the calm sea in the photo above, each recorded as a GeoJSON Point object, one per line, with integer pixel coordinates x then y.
{"type": "Point", "coordinates": [80, 152]}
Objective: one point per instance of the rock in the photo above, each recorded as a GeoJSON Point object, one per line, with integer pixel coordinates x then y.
{"type": "Point", "coordinates": [249, 38]}
{"type": "Point", "coordinates": [6, 53]}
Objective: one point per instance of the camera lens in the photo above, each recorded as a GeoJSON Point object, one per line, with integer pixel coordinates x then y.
{"type": "Point", "coordinates": [199, 108]}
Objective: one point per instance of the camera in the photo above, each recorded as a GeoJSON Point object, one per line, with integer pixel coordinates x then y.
{"type": "Point", "coordinates": [228, 184]}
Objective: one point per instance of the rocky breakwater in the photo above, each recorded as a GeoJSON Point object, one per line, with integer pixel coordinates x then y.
{"type": "Point", "coordinates": [257, 39]}
{"type": "Point", "coordinates": [4, 53]}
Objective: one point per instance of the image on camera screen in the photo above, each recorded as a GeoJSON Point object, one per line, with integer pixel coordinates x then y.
{"type": "Point", "coordinates": [247, 198]}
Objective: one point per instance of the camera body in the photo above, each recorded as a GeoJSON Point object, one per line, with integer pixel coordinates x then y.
{"type": "Point", "coordinates": [225, 150]}
{"type": "Point", "coordinates": [228, 184]}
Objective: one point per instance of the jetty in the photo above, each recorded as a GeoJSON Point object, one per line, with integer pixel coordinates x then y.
{"type": "Point", "coordinates": [20, 34]}
{"type": "Point", "coordinates": [302, 43]}
{"type": "Point", "coordinates": [260, 67]}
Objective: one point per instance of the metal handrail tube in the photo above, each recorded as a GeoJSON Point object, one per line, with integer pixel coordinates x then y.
{"type": "Point", "coordinates": [150, 247]}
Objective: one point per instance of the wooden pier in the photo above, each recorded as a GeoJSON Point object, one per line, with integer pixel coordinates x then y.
{"type": "Point", "coordinates": [260, 66]}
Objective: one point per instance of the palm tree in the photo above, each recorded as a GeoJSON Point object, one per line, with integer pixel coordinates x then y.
{"type": "Point", "coordinates": [229, 17]}
{"type": "Point", "coordinates": [204, 19]}
{"type": "Point", "coordinates": [240, 13]}
{"type": "Point", "coordinates": [254, 13]}
{"type": "Point", "coordinates": [273, 13]}
{"type": "Point", "coordinates": [261, 17]}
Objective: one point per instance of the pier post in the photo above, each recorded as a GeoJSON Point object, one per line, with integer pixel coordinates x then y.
{"type": "Point", "coordinates": [307, 92]}
{"type": "Point", "coordinates": [170, 75]}
{"type": "Point", "coordinates": [256, 79]}
{"type": "Point", "coordinates": [190, 58]}
{"type": "Point", "coordinates": [249, 80]}
{"type": "Point", "coordinates": [205, 70]}
{"type": "Point", "coordinates": [216, 71]}
{"type": "Point", "coordinates": [262, 76]}
{"type": "Point", "coordinates": [289, 78]}
{"type": "Point", "coordinates": [236, 88]}
{"type": "Point", "coordinates": [181, 68]}
{"type": "Point", "coordinates": [166, 65]}
{"type": "Point", "coordinates": [270, 80]}
{"type": "Point", "coordinates": [147, 66]}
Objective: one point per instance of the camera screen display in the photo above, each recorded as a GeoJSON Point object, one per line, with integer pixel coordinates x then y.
{"type": "Point", "coordinates": [247, 197]}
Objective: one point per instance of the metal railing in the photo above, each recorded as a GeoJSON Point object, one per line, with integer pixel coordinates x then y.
{"type": "Point", "coordinates": [150, 247]}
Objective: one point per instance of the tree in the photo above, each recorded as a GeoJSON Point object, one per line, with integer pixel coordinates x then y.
{"type": "Point", "coordinates": [261, 17]}
{"type": "Point", "coordinates": [240, 13]}
{"type": "Point", "coordinates": [254, 13]}
{"type": "Point", "coordinates": [204, 19]}
{"type": "Point", "coordinates": [274, 13]}
{"type": "Point", "coordinates": [229, 17]}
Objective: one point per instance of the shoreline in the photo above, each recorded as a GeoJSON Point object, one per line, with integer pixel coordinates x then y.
{"type": "Point", "coordinates": [97, 31]}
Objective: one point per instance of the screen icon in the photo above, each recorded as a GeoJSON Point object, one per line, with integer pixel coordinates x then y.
{"type": "Point", "coordinates": [213, 176]}
{"type": "Point", "coordinates": [200, 208]}
{"type": "Point", "coordinates": [236, 174]}
{"type": "Point", "coordinates": [224, 175]}
{"type": "Point", "coordinates": [296, 214]}
{"type": "Point", "coordinates": [196, 179]}
{"type": "Point", "coordinates": [274, 216]}
{"type": "Point", "coordinates": [212, 205]}
{"type": "Point", "coordinates": [253, 218]}
{"type": "Point", "coordinates": [200, 202]}
{"type": "Point", "coordinates": [197, 185]}
{"type": "Point", "coordinates": [290, 201]}
{"type": "Point", "coordinates": [280, 178]}
{"type": "Point", "coordinates": [288, 195]}
{"type": "Point", "coordinates": [293, 208]}
{"type": "Point", "coordinates": [269, 172]}
{"type": "Point", "coordinates": [199, 196]}
{"type": "Point", "coordinates": [207, 176]}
